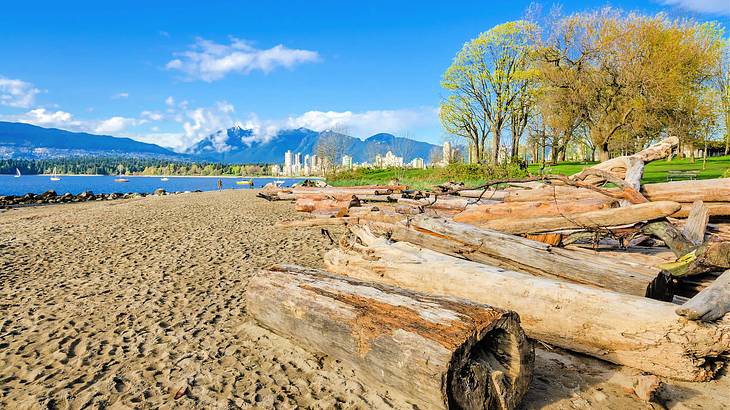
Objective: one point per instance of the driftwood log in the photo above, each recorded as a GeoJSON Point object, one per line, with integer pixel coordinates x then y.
{"type": "Point", "coordinates": [712, 303]}
{"type": "Point", "coordinates": [638, 332]}
{"type": "Point", "coordinates": [587, 220]}
{"type": "Point", "coordinates": [434, 352]}
{"type": "Point", "coordinates": [514, 252]}
{"type": "Point", "coordinates": [707, 190]}
{"type": "Point", "coordinates": [631, 167]}
{"type": "Point", "coordinates": [524, 210]}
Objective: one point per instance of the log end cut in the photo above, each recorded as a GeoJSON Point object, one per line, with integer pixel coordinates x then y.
{"type": "Point", "coordinates": [489, 369]}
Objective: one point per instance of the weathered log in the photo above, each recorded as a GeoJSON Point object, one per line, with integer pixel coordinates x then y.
{"type": "Point", "coordinates": [712, 303]}
{"type": "Point", "coordinates": [638, 332]}
{"type": "Point", "coordinates": [694, 229]}
{"type": "Point", "coordinates": [634, 164]}
{"type": "Point", "coordinates": [707, 190]}
{"type": "Point", "coordinates": [709, 256]}
{"type": "Point", "coordinates": [713, 208]}
{"type": "Point", "coordinates": [513, 252]}
{"type": "Point", "coordinates": [587, 220]}
{"type": "Point", "coordinates": [451, 203]}
{"type": "Point", "coordinates": [310, 205]}
{"type": "Point", "coordinates": [434, 352]}
{"type": "Point", "coordinates": [670, 235]}
{"type": "Point", "coordinates": [523, 210]}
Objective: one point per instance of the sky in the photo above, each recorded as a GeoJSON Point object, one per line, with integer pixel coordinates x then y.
{"type": "Point", "coordinates": [173, 72]}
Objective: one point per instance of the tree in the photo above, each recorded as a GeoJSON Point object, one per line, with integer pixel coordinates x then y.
{"type": "Point", "coordinates": [623, 74]}
{"type": "Point", "coordinates": [485, 79]}
{"type": "Point", "coordinates": [722, 82]}
{"type": "Point", "coordinates": [331, 146]}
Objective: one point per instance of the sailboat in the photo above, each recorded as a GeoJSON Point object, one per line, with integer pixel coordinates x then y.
{"type": "Point", "coordinates": [120, 178]}
{"type": "Point", "coordinates": [54, 176]}
{"type": "Point", "coordinates": [164, 179]}
{"type": "Point", "coordinates": [17, 173]}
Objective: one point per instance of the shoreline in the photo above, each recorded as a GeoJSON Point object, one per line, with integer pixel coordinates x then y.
{"type": "Point", "coordinates": [173, 176]}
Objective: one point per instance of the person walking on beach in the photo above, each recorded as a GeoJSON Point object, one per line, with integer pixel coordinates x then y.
{"type": "Point", "coordinates": [220, 184]}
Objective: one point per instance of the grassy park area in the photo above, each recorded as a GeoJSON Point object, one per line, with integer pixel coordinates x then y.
{"type": "Point", "coordinates": [656, 171]}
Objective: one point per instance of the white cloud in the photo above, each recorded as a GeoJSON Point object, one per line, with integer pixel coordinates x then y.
{"type": "Point", "coordinates": [118, 96]}
{"type": "Point", "coordinates": [701, 6]}
{"type": "Point", "coordinates": [45, 118]}
{"type": "Point", "coordinates": [17, 93]}
{"type": "Point", "coordinates": [151, 115]}
{"type": "Point", "coordinates": [115, 125]}
{"type": "Point", "coordinates": [210, 61]}
{"type": "Point", "coordinates": [366, 123]}
{"type": "Point", "coordinates": [170, 101]}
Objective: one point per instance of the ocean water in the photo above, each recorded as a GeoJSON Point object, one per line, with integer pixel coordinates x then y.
{"type": "Point", "coordinates": [37, 184]}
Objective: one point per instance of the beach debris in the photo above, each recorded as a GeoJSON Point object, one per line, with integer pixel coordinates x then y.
{"type": "Point", "coordinates": [433, 352]}
{"type": "Point", "coordinates": [160, 191]}
{"type": "Point", "coordinates": [589, 267]}
{"type": "Point", "coordinates": [639, 332]}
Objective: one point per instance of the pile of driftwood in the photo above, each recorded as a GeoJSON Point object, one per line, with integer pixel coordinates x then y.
{"type": "Point", "coordinates": [594, 262]}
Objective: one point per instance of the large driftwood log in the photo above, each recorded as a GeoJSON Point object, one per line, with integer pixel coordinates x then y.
{"type": "Point", "coordinates": [523, 210]}
{"type": "Point", "coordinates": [434, 352]}
{"type": "Point", "coordinates": [638, 332]}
{"type": "Point", "coordinates": [632, 165]}
{"type": "Point", "coordinates": [587, 220]}
{"type": "Point", "coordinates": [477, 244]}
{"type": "Point", "coordinates": [707, 190]}
{"type": "Point", "coordinates": [713, 208]}
{"type": "Point", "coordinates": [712, 303]}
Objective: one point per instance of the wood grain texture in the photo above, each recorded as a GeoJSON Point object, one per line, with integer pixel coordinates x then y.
{"type": "Point", "coordinates": [434, 352]}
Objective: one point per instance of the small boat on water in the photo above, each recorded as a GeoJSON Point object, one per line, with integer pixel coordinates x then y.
{"type": "Point", "coordinates": [120, 178]}
{"type": "Point", "coordinates": [245, 182]}
{"type": "Point", "coordinates": [164, 179]}
{"type": "Point", "coordinates": [279, 182]}
{"type": "Point", "coordinates": [54, 176]}
{"type": "Point", "coordinates": [17, 173]}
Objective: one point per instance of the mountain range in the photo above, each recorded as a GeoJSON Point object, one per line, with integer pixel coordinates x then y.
{"type": "Point", "coordinates": [232, 145]}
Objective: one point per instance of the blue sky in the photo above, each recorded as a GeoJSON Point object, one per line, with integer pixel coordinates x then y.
{"type": "Point", "coordinates": [172, 72]}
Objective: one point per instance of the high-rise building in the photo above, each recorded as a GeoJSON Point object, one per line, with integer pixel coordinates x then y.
{"type": "Point", "coordinates": [347, 161]}
{"type": "Point", "coordinates": [288, 163]}
{"type": "Point", "coordinates": [447, 153]}
{"type": "Point", "coordinates": [417, 163]}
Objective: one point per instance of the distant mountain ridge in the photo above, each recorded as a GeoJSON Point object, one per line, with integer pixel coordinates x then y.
{"type": "Point", "coordinates": [232, 145]}
{"type": "Point", "coordinates": [20, 140]}
{"type": "Point", "coordinates": [237, 144]}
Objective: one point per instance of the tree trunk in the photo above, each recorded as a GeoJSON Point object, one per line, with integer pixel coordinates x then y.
{"type": "Point", "coordinates": [638, 332]}
{"type": "Point", "coordinates": [707, 190]}
{"type": "Point", "coordinates": [435, 353]}
{"type": "Point", "coordinates": [495, 141]}
{"type": "Point", "coordinates": [524, 255]}
{"type": "Point", "coordinates": [603, 154]}
{"type": "Point", "coordinates": [587, 220]}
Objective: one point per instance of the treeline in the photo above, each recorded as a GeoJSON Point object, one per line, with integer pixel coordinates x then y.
{"type": "Point", "coordinates": [127, 166]}
{"type": "Point", "coordinates": [587, 85]}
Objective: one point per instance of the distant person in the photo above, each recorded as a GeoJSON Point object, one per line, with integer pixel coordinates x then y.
{"type": "Point", "coordinates": [220, 184]}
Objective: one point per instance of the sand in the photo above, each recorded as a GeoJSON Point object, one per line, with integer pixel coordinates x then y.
{"type": "Point", "coordinates": [141, 304]}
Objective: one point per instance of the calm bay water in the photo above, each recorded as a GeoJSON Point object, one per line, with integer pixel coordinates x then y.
{"type": "Point", "coordinates": [37, 184]}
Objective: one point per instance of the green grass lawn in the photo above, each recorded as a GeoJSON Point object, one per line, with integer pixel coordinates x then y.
{"type": "Point", "coordinates": [473, 175]}
{"type": "Point", "coordinates": [654, 172]}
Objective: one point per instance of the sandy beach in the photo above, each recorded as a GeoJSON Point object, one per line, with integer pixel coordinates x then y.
{"type": "Point", "coordinates": [140, 303]}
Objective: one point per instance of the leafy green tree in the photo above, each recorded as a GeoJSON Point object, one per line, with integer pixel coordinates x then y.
{"type": "Point", "coordinates": [486, 80]}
